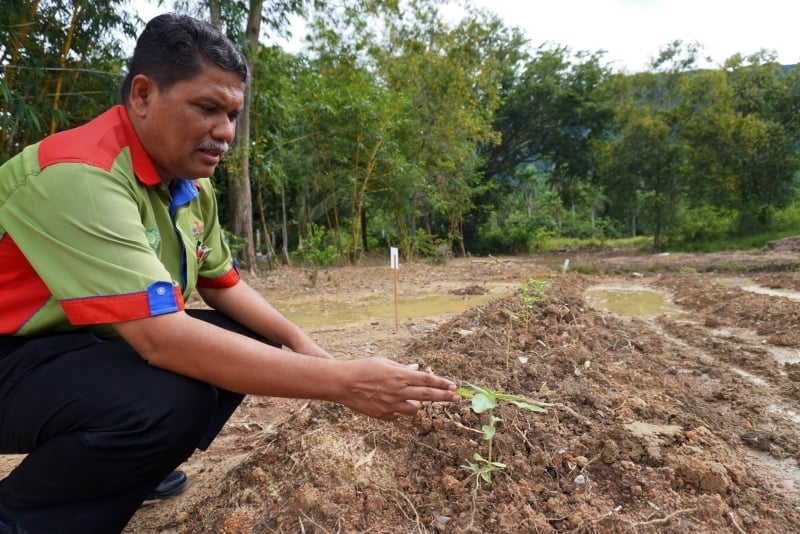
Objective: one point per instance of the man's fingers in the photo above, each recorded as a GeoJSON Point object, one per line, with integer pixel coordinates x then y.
{"type": "Point", "coordinates": [408, 407]}
{"type": "Point", "coordinates": [427, 380]}
{"type": "Point", "coordinates": [430, 394]}
{"type": "Point", "coordinates": [401, 391]}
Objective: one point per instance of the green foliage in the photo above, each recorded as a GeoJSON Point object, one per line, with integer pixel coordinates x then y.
{"type": "Point", "coordinates": [583, 227]}
{"type": "Point", "coordinates": [511, 237]}
{"type": "Point", "coordinates": [484, 400]}
{"type": "Point", "coordinates": [539, 239]}
{"type": "Point", "coordinates": [400, 118]}
{"type": "Point", "coordinates": [555, 244]}
{"type": "Point", "coordinates": [787, 218]}
{"type": "Point", "coordinates": [533, 292]}
{"type": "Point", "coordinates": [430, 247]}
{"type": "Point", "coordinates": [314, 248]}
{"type": "Point", "coordinates": [60, 65]}
{"type": "Point", "coordinates": [704, 223]}
{"type": "Point", "coordinates": [424, 244]}
{"type": "Point", "coordinates": [235, 243]}
{"type": "Point", "coordinates": [733, 242]}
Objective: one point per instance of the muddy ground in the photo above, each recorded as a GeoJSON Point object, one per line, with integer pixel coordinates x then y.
{"type": "Point", "coordinates": [684, 421]}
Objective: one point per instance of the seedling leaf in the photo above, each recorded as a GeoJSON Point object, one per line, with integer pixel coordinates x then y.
{"type": "Point", "coordinates": [485, 400]}
{"type": "Point", "coordinates": [465, 393]}
{"type": "Point", "coordinates": [482, 402]}
{"type": "Point", "coordinates": [525, 405]}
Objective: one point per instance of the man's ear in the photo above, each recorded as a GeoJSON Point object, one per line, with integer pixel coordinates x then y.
{"type": "Point", "coordinates": [143, 90]}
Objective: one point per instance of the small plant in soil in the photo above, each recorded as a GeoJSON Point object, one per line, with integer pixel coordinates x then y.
{"type": "Point", "coordinates": [533, 291]}
{"type": "Point", "coordinates": [484, 400]}
{"type": "Point", "coordinates": [531, 294]}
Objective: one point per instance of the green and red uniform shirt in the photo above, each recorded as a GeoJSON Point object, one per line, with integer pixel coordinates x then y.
{"type": "Point", "coordinates": [90, 236]}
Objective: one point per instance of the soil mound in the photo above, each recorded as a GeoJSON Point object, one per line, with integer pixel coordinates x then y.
{"type": "Point", "coordinates": [676, 423]}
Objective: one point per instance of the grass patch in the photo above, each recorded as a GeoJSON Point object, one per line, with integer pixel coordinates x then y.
{"type": "Point", "coordinates": [721, 244]}
{"type": "Point", "coordinates": [558, 244]}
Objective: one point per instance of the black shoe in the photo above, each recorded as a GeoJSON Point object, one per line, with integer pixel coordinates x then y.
{"type": "Point", "coordinates": [174, 484]}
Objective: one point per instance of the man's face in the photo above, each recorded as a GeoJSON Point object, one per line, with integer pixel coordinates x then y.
{"type": "Point", "coordinates": [187, 128]}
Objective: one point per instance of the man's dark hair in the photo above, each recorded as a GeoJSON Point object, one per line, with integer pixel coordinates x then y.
{"type": "Point", "coordinates": [173, 48]}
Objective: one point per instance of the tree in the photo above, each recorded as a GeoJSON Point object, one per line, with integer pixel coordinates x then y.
{"type": "Point", "coordinates": [60, 63]}
{"type": "Point", "coordinates": [639, 166]}
{"type": "Point", "coordinates": [243, 23]}
{"type": "Point", "coordinates": [643, 163]}
{"type": "Point", "coordinates": [766, 158]}
{"type": "Point", "coordinates": [551, 113]}
{"type": "Point", "coordinates": [449, 81]}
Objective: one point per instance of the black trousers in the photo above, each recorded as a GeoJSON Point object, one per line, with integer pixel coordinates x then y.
{"type": "Point", "coordinates": [100, 426]}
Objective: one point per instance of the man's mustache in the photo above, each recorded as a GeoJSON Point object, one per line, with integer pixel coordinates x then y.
{"type": "Point", "coordinates": [214, 146]}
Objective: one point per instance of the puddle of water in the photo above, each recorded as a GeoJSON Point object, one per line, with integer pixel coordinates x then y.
{"type": "Point", "coordinates": [751, 377]}
{"type": "Point", "coordinates": [632, 302]}
{"type": "Point", "coordinates": [785, 354]}
{"type": "Point", "coordinates": [331, 312]}
{"type": "Point", "coordinates": [785, 473]}
{"type": "Point", "coordinates": [792, 295]}
{"type": "Point", "coordinates": [782, 355]}
{"type": "Point", "coordinates": [785, 412]}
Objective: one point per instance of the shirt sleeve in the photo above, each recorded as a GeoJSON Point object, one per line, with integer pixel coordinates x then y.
{"type": "Point", "coordinates": [80, 228]}
{"type": "Point", "coordinates": [217, 268]}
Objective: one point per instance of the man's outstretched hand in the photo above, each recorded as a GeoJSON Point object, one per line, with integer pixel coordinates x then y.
{"type": "Point", "coordinates": [384, 389]}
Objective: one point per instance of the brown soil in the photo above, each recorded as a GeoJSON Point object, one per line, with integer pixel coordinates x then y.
{"type": "Point", "coordinates": [679, 422]}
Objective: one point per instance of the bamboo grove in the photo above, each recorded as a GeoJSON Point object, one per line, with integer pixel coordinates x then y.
{"type": "Point", "coordinates": [398, 126]}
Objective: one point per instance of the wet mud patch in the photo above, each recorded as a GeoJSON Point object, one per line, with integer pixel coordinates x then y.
{"type": "Point", "coordinates": [628, 300]}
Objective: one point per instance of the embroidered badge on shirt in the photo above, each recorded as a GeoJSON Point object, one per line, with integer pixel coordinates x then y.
{"type": "Point", "coordinates": [200, 250]}
{"type": "Point", "coordinates": [153, 238]}
{"type": "Point", "coordinates": [197, 228]}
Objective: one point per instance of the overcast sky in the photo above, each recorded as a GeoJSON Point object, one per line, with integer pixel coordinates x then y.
{"type": "Point", "coordinates": [633, 31]}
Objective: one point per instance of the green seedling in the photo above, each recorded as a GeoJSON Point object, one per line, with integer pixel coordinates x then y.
{"type": "Point", "coordinates": [533, 292]}
{"type": "Point", "coordinates": [484, 400]}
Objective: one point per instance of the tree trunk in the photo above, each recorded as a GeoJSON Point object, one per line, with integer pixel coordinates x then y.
{"type": "Point", "coordinates": [7, 134]}
{"type": "Point", "coordinates": [239, 195]}
{"type": "Point", "coordinates": [285, 227]}
{"type": "Point", "coordinates": [62, 62]}
{"type": "Point", "coordinates": [364, 230]}
{"type": "Point", "coordinates": [268, 248]}
{"type": "Point", "coordinates": [215, 13]}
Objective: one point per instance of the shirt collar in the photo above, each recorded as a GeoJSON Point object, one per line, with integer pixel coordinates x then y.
{"type": "Point", "coordinates": [143, 166]}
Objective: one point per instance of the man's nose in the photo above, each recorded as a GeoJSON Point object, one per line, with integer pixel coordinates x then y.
{"type": "Point", "coordinates": [224, 130]}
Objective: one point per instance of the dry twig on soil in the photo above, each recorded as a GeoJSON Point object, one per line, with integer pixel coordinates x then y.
{"type": "Point", "coordinates": [665, 519]}
{"type": "Point", "coordinates": [585, 420]}
{"type": "Point", "coordinates": [735, 525]}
